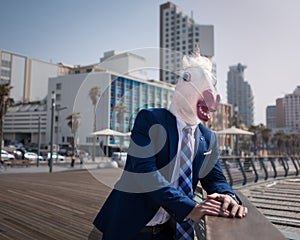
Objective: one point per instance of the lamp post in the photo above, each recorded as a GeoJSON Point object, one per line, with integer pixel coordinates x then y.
{"type": "Point", "coordinates": [58, 109]}
{"type": "Point", "coordinates": [39, 141]}
{"type": "Point", "coordinates": [236, 109]}
{"type": "Point", "coordinates": [51, 130]}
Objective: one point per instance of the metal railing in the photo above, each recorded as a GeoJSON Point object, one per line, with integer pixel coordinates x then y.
{"type": "Point", "coordinates": [241, 171]}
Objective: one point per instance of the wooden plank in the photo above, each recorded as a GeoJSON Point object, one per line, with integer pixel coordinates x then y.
{"type": "Point", "coordinates": [50, 205]}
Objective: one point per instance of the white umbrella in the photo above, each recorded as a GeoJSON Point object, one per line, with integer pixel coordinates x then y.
{"type": "Point", "coordinates": [109, 132]}
{"type": "Point", "coordinates": [234, 131]}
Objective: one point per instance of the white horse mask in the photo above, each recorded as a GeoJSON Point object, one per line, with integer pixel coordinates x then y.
{"type": "Point", "coordinates": [195, 94]}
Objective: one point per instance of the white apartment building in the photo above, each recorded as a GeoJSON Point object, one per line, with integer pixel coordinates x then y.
{"type": "Point", "coordinates": [179, 35]}
{"type": "Point", "coordinates": [292, 110]}
{"type": "Point", "coordinates": [23, 123]}
{"type": "Point", "coordinates": [72, 94]}
{"type": "Point", "coordinates": [28, 77]}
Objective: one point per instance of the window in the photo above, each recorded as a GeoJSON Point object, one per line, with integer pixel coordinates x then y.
{"type": "Point", "coordinates": [5, 63]}
{"type": "Point", "coordinates": [58, 97]}
{"type": "Point", "coordinates": [58, 86]}
{"type": "Point", "coordinates": [5, 73]}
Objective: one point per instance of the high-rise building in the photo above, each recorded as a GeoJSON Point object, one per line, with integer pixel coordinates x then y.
{"type": "Point", "coordinates": [179, 35]}
{"type": "Point", "coordinates": [280, 113]}
{"type": "Point", "coordinates": [271, 116]}
{"type": "Point", "coordinates": [239, 93]}
{"type": "Point", "coordinates": [292, 110]}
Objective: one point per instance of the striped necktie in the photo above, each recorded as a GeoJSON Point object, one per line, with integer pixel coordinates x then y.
{"type": "Point", "coordinates": [185, 230]}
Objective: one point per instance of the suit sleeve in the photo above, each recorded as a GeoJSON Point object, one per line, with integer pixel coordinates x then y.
{"type": "Point", "coordinates": [162, 192]}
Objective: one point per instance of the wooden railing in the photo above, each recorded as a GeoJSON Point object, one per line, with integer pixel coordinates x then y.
{"type": "Point", "coordinates": [254, 226]}
{"type": "Point", "coordinates": [241, 171]}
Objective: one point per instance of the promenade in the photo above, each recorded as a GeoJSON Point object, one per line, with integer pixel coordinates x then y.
{"type": "Point", "coordinates": [36, 204]}
{"type": "Point", "coordinates": [58, 205]}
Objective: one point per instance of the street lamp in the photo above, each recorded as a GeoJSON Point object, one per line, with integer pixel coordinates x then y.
{"type": "Point", "coordinates": [51, 130]}
{"type": "Point", "coordinates": [236, 109]}
{"type": "Point", "coordinates": [58, 109]}
{"type": "Point", "coordinates": [39, 141]}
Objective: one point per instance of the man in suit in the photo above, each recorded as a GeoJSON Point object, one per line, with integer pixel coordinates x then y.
{"type": "Point", "coordinates": [148, 202]}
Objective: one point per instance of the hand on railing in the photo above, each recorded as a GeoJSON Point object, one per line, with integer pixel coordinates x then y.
{"type": "Point", "coordinates": [218, 205]}
{"type": "Point", "coordinates": [229, 203]}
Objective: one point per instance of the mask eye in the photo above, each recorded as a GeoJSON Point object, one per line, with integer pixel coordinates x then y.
{"type": "Point", "coordinates": [187, 77]}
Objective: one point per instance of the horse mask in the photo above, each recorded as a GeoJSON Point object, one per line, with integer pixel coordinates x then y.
{"type": "Point", "coordinates": [195, 94]}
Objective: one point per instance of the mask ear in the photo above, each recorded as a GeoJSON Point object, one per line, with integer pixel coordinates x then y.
{"type": "Point", "coordinates": [186, 77]}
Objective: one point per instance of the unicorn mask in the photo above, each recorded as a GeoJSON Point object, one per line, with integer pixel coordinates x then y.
{"type": "Point", "coordinates": [195, 94]}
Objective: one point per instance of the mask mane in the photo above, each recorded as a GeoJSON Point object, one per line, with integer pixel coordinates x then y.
{"type": "Point", "coordinates": [196, 60]}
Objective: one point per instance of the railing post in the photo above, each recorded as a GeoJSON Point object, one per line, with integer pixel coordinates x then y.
{"type": "Point", "coordinates": [284, 166]}
{"type": "Point", "coordinates": [273, 166]}
{"type": "Point", "coordinates": [228, 171]}
{"type": "Point", "coordinates": [295, 165]}
{"type": "Point", "coordinates": [254, 169]}
{"type": "Point", "coordinates": [243, 172]}
{"type": "Point", "coordinates": [261, 160]}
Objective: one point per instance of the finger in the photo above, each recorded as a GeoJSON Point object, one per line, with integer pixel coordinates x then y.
{"type": "Point", "coordinates": [235, 209]}
{"type": "Point", "coordinates": [213, 196]}
{"type": "Point", "coordinates": [245, 211]}
{"type": "Point", "coordinates": [226, 203]}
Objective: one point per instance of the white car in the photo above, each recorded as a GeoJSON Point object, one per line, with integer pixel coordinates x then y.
{"type": "Point", "coordinates": [32, 156]}
{"type": "Point", "coordinates": [5, 156]}
{"type": "Point", "coordinates": [56, 156]}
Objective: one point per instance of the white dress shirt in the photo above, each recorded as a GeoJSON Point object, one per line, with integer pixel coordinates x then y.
{"type": "Point", "coordinates": [162, 216]}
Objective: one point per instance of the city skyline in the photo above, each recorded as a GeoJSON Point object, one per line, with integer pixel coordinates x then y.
{"type": "Point", "coordinates": [263, 35]}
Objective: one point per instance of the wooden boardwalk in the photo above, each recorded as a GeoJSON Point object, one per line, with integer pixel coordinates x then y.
{"type": "Point", "coordinates": [50, 205]}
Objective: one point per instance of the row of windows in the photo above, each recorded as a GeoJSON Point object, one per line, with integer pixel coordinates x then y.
{"type": "Point", "coordinates": [4, 81]}
{"type": "Point", "coordinates": [5, 63]}
{"type": "Point", "coordinates": [5, 73]}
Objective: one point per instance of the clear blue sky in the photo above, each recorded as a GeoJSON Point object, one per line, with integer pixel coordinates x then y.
{"type": "Point", "coordinates": [262, 34]}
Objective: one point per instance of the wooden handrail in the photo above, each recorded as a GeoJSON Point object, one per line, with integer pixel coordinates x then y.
{"type": "Point", "coordinates": [254, 226]}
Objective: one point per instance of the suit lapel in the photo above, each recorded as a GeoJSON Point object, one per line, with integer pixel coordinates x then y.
{"type": "Point", "coordinates": [172, 141]}
{"type": "Point", "coordinates": [200, 148]}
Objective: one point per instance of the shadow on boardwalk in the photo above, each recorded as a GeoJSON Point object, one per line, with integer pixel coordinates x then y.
{"type": "Point", "coordinates": [50, 206]}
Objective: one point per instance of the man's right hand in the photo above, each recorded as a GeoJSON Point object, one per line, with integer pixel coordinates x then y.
{"type": "Point", "coordinates": [207, 207]}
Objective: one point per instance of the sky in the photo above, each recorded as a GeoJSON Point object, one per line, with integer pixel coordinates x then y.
{"type": "Point", "coordinates": [264, 35]}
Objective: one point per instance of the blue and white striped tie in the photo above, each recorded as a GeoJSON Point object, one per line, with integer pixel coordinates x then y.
{"type": "Point", "coordinates": [185, 230]}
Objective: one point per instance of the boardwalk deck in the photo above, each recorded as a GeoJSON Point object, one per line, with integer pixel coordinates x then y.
{"type": "Point", "coordinates": [49, 206]}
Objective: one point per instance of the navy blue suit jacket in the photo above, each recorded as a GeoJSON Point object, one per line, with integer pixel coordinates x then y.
{"type": "Point", "coordinates": [125, 213]}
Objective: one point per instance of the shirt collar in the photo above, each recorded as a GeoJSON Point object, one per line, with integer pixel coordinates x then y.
{"type": "Point", "coordinates": [181, 124]}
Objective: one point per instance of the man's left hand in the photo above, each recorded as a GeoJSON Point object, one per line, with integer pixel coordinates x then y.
{"type": "Point", "coordinates": [230, 204]}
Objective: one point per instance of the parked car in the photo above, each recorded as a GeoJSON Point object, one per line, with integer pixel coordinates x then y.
{"type": "Point", "coordinates": [120, 158]}
{"type": "Point", "coordinates": [32, 156]}
{"type": "Point", "coordinates": [5, 156]}
{"type": "Point", "coordinates": [56, 156]}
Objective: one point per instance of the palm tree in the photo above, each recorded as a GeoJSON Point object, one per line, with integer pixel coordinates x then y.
{"type": "Point", "coordinates": [74, 123]}
{"type": "Point", "coordinates": [5, 101]}
{"type": "Point", "coordinates": [254, 138]}
{"type": "Point", "coordinates": [94, 93]}
{"type": "Point", "coordinates": [265, 134]}
{"type": "Point", "coordinates": [279, 139]}
{"type": "Point", "coordinates": [121, 108]}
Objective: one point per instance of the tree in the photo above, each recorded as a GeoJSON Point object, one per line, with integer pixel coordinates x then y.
{"type": "Point", "coordinates": [74, 123]}
{"type": "Point", "coordinates": [254, 138]}
{"type": "Point", "coordinates": [121, 108]}
{"type": "Point", "coordinates": [279, 139]}
{"type": "Point", "coordinates": [5, 101]}
{"type": "Point", "coordinates": [94, 93]}
{"type": "Point", "coordinates": [265, 134]}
